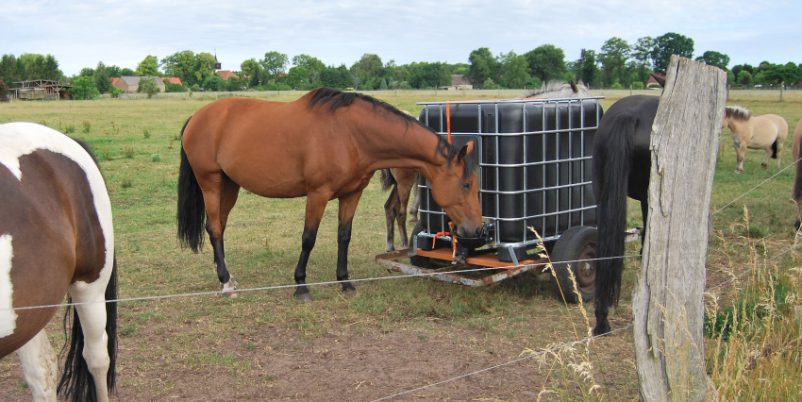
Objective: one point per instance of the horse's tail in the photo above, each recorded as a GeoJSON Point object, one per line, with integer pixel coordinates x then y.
{"type": "Point", "coordinates": [76, 383]}
{"type": "Point", "coordinates": [387, 179]}
{"type": "Point", "coordinates": [774, 148]}
{"type": "Point", "coordinates": [612, 163]}
{"type": "Point", "coordinates": [191, 213]}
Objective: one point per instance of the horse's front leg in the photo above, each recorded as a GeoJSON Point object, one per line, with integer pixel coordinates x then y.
{"type": "Point", "coordinates": [740, 151]}
{"type": "Point", "coordinates": [348, 206]}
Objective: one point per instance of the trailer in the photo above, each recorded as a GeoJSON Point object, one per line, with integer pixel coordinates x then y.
{"type": "Point", "coordinates": [535, 171]}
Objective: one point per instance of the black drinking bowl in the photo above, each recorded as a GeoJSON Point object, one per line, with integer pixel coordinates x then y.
{"type": "Point", "coordinates": [482, 237]}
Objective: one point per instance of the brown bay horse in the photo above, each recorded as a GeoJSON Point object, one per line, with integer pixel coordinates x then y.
{"type": "Point", "coordinates": [325, 145]}
{"type": "Point", "coordinates": [56, 238]}
{"type": "Point", "coordinates": [766, 131]}
{"type": "Point", "coordinates": [401, 183]}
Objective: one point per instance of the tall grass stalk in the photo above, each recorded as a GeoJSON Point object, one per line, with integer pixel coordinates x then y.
{"type": "Point", "coordinates": [756, 351]}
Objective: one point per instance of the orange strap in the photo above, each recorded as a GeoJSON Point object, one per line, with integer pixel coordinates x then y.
{"type": "Point", "coordinates": [448, 121]}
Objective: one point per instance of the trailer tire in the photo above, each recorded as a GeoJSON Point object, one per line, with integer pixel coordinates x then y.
{"type": "Point", "coordinates": [575, 246]}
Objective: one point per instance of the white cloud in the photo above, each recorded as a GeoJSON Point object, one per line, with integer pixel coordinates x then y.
{"type": "Point", "coordinates": [80, 34]}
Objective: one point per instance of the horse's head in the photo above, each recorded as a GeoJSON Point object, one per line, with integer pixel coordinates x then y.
{"type": "Point", "coordinates": [455, 188]}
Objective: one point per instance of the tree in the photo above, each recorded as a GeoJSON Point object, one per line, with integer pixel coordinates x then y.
{"type": "Point", "coordinates": [368, 71]}
{"type": "Point", "coordinates": [336, 77]}
{"type": "Point", "coordinates": [204, 67]}
{"type": "Point", "coordinates": [713, 58]}
{"type": "Point", "coordinates": [641, 52]}
{"type": "Point", "coordinates": [252, 73]}
{"type": "Point", "coordinates": [83, 87]}
{"type": "Point", "coordinates": [744, 78]}
{"type": "Point", "coordinates": [3, 91]}
{"type": "Point", "coordinates": [182, 65]}
{"type": "Point", "coordinates": [298, 78]}
{"type": "Point", "coordinates": [274, 64]}
{"type": "Point", "coordinates": [546, 62]}
{"type": "Point", "coordinates": [586, 68]}
{"type": "Point", "coordinates": [483, 66]}
{"type": "Point", "coordinates": [149, 66]}
{"type": "Point", "coordinates": [668, 44]}
{"type": "Point", "coordinates": [514, 71]}
{"type": "Point", "coordinates": [312, 66]}
{"type": "Point", "coordinates": [429, 75]}
{"type": "Point", "coordinates": [102, 78]}
{"type": "Point", "coordinates": [148, 86]}
{"type": "Point", "coordinates": [614, 54]}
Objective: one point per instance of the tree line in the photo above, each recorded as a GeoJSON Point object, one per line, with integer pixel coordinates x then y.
{"type": "Point", "coordinates": [617, 64]}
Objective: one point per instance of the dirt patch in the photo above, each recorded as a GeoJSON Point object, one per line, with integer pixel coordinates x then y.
{"type": "Point", "coordinates": [350, 363]}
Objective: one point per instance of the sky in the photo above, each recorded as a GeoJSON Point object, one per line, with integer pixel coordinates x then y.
{"type": "Point", "coordinates": [82, 33]}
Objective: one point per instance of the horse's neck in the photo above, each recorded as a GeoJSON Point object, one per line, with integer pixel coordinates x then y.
{"type": "Point", "coordinates": [401, 145]}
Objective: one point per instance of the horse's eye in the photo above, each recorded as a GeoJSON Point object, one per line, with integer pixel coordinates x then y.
{"type": "Point", "coordinates": [466, 186]}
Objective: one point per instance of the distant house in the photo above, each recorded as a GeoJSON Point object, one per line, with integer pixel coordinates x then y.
{"type": "Point", "coordinates": [458, 83]}
{"type": "Point", "coordinates": [130, 84]}
{"type": "Point", "coordinates": [226, 74]}
{"type": "Point", "coordinates": [652, 81]}
{"type": "Point", "coordinates": [172, 80]}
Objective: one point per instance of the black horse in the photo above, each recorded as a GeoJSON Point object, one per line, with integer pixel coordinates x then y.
{"type": "Point", "coordinates": [621, 167]}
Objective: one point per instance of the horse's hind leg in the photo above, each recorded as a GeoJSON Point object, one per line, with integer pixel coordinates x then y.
{"type": "Point", "coordinates": [219, 195]}
{"type": "Point", "coordinates": [391, 208]}
{"type": "Point", "coordinates": [348, 206]}
{"type": "Point", "coordinates": [90, 304]}
{"type": "Point", "coordinates": [39, 367]}
{"type": "Point", "coordinates": [404, 190]}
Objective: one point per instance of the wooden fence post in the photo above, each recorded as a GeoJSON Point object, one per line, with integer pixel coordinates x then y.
{"type": "Point", "coordinates": [668, 300]}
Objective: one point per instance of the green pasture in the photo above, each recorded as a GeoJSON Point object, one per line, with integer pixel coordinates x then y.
{"type": "Point", "coordinates": [137, 144]}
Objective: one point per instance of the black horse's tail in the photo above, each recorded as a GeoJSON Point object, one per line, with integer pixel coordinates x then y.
{"type": "Point", "coordinates": [774, 148]}
{"type": "Point", "coordinates": [612, 163]}
{"type": "Point", "coordinates": [191, 213]}
{"type": "Point", "coordinates": [387, 179]}
{"type": "Point", "coordinates": [76, 383]}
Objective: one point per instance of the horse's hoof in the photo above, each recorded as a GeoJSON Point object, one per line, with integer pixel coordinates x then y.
{"type": "Point", "coordinates": [229, 289]}
{"type": "Point", "coordinates": [349, 290]}
{"type": "Point", "coordinates": [302, 297]}
{"type": "Point", "coordinates": [602, 329]}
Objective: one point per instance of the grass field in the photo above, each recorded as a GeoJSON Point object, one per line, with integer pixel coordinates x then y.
{"type": "Point", "coordinates": [400, 334]}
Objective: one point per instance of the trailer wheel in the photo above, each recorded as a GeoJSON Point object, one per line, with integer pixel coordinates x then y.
{"type": "Point", "coordinates": [575, 246]}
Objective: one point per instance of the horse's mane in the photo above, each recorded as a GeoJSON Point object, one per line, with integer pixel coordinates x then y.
{"type": "Point", "coordinates": [737, 113]}
{"type": "Point", "coordinates": [337, 99]}
{"type": "Point", "coordinates": [560, 89]}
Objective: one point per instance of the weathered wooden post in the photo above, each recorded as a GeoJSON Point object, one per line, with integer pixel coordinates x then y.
{"type": "Point", "coordinates": [668, 300]}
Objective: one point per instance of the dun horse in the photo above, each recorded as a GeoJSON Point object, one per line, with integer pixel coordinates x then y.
{"type": "Point", "coordinates": [797, 193]}
{"type": "Point", "coordinates": [767, 132]}
{"type": "Point", "coordinates": [325, 145]}
{"type": "Point", "coordinates": [621, 167]}
{"type": "Point", "coordinates": [56, 238]}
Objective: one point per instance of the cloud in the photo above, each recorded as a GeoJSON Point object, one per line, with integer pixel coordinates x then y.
{"type": "Point", "coordinates": [80, 34]}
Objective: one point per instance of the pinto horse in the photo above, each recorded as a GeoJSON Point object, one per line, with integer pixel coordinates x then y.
{"type": "Point", "coordinates": [621, 167]}
{"type": "Point", "coordinates": [56, 238]}
{"type": "Point", "coordinates": [766, 131]}
{"type": "Point", "coordinates": [325, 145]}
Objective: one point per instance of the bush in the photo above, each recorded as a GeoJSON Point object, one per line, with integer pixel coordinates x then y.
{"type": "Point", "coordinates": [84, 88]}
{"type": "Point", "coordinates": [637, 85]}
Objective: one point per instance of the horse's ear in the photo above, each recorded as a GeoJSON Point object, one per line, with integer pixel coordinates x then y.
{"type": "Point", "coordinates": [466, 150]}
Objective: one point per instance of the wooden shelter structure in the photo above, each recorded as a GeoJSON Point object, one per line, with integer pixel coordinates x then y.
{"type": "Point", "coordinates": [39, 90]}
